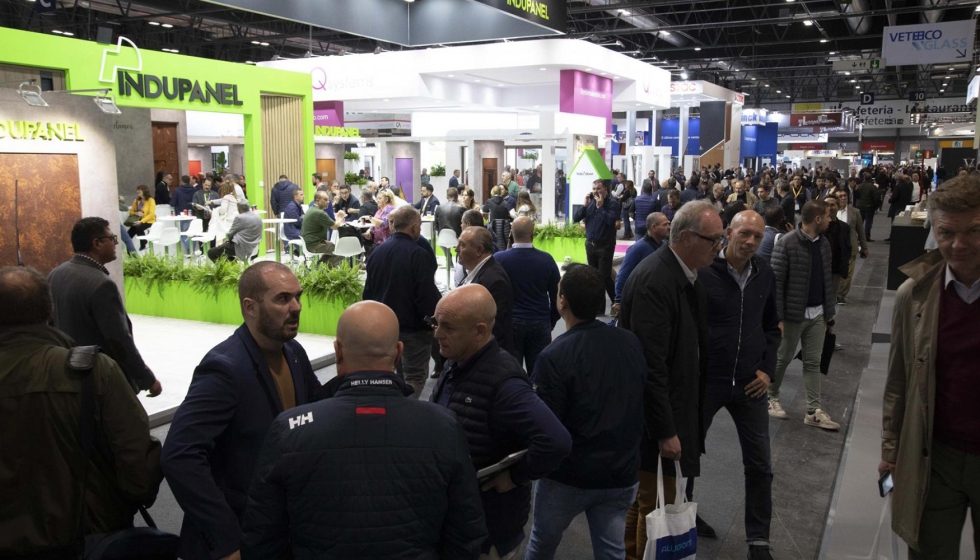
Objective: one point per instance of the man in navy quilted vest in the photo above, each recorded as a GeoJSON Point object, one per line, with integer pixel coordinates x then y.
{"type": "Point", "coordinates": [499, 411]}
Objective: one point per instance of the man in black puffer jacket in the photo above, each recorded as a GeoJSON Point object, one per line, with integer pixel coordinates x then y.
{"type": "Point", "coordinates": [366, 473]}
{"type": "Point", "coordinates": [281, 195]}
{"type": "Point", "coordinates": [744, 333]}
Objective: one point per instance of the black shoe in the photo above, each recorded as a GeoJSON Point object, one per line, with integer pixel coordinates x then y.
{"type": "Point", "coordinates": [870, 240]}
{"type": "Point", "coordinates": [759, 552]}
{"type": "Point", "coordinates": [704, 530]}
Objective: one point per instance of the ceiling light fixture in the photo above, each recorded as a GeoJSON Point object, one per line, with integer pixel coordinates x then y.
{"type": "Point", "coordinates": [450, 75]}
{"type": "Point", "coordinates": [944, 85]}
{"type": "Point", "coordinates": [847, 73]}
{"type": "Point", "coordinates": [789, 97]}
{"type": "Point", "coordinates": [697, 48]}
{"type": "Point", "coordinates": [57, 31]}
{"type": "Point", "coordinates": [154, 23]}
{"type": "Point", "coordinates": [107, 104]}
{"type": "Point", "coordinates": [31, 93]}
{"type": "Point", "coordinates": [625, 12]}
{"type": "Point", "coordinates": [753, 79]}
{"type": "Point", "coordinates": [808, 22]}
{"type": "Point", "coordinates": [588, 69]}
{"type": "Point", "coordinates": [779, 91]}
{"type": "Point", "coordinates": [603, 73]}
{"type": "Point", "coordinates": [249, 62]}
{"type": "Point", "coordinates": [832, 53]}
{"type": "Point", "coordinates": [767, 85]}
{"type": "Point", "coordinates": [264, 44]}
{"type": "Point", "coordinates": [853, 81]}
{"type": "Point", "coordinates": [256, 43]}
{"type": "Point", "coordinates": [823, 40]}
{"type": "Point", "coordinates": [167, 25]}
{"type": "Point", "coordinates": [665, 33]}
{"type": "Point", "coordinates": [941, 91]}
{"type": "Point", "coordinates": [683, 75]}
{"type": "Point", "coordinates": [542, 69]}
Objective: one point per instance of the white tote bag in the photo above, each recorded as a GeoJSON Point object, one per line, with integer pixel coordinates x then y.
{"type": "Point", "coordinates": [878, 551]}
{"type": "Point", "coordinates": [672, 532]}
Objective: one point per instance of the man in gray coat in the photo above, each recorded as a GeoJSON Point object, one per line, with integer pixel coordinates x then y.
{"type": "Point", "coordinates": [243, 237]}
{"type": "Point", "coordinates": [806, 303]}
{"type": "Point", "coordinates": [88, 306]}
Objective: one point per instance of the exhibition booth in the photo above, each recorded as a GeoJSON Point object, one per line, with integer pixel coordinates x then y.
{"type": "Point", "coordinates": [477, 109]}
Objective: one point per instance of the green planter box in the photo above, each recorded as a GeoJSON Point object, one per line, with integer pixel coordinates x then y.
{"type": "Point", "coordinates": [560, 247]}
{"type": "Point", "coordinates": [180, 301]}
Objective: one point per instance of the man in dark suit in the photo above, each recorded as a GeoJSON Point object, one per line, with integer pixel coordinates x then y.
{"type": "Point", "coordinates": [238, 389]}
{"type": "Point", "coordinates": [88, 306]}
{"type": "Point", "coordinates": [475, 250]}
{"type": "Point", "coordinates": [454, 180]}
{"type": "Point", "coordinates": [665, 306]}
{"type": "Point", "coordinates": [428, 204]}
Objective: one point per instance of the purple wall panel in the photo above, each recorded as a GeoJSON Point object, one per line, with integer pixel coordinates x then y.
{"type": "Point", "coordinates": [405, 177]}
{"type": "Point", "coordinates": [586, 94]}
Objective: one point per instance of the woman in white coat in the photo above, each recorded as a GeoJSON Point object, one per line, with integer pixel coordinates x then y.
{"type": "Point", "coordinates": [223, 216]}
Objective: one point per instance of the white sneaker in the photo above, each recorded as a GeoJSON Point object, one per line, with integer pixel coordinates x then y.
{"type": "Point", "coordinates": [776, 410]}
{"type": "Point", "coordinates": [820, 419]}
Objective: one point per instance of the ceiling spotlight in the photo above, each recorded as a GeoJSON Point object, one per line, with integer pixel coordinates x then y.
{"type": "Point", "coordinates": [948, 77]}
{"type": "Point", "coordinates": [249, 62]}
{"type": "Point", "coordinates": [154, 23]}
{"type": "Point", "coordinates": [615, 77]}
{"type": "Point", "coordinates": [264, 44]}
{"type": "Point", "coordinates": [853, 81]}
{"type": "Point", "coordinates": [31, 93]}
{"type": "Point", "coordinates": [847, 73]}
{"type": "Point", "coordinates": [107, 104]}
{"type": "Point", "coordinates": [767, 85]}
{"type": "Point", "coordinates": [977, 9]}
{"type": "Point", "coordinates": [542, 69]}
{"type": "Point", "coordinates": [832, 53]}
{"type": "Point", "coordinates": [789, 97]}
{"type": "Point", "coordinates": [808, 22]}
{"type": "Point", "coordinates": [616, 43]}
{"type": "Point", "coordinates": [862, 91]}
{"type": "Point", "coordinates": [409, 1]}
{"type": "Point", "coordinates": [665, 33]}
{"type": "Point", "coordinates": [697, 48]}
{"type": "Point", "coordinates": [683, 75]}
{"type": "Point", "coordinates": [57, 31]}
{"type": "Point", "coordinates": [588, 69]}
{"type": "Point", "coordinates": [944, 85]}
{"type": "Point", "coordinates": [942, 91]}
{"type": "Point", "coordinates": [823, 40]}
{"type": "Point", "coordinates": [256, 42]}
{"type": "Point", "coordinates": [167, 25]}
{"type": "Point", "coordinates": [753, 79]}
{"type": "Point", "coordinates": [68, 34]}
{"type": "Point", "coordinates": [602, 73]}
{"type": "Point", "coordinates": [625, 12]}
{"type": "Point", "coordinates": [779, 91]}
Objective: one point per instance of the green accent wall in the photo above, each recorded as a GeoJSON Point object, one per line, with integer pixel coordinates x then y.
{"type": "Point", "coordinates": [81, 61]}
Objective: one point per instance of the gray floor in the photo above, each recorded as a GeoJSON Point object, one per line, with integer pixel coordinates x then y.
{"type": "Point", "coordinates": [812, 508]}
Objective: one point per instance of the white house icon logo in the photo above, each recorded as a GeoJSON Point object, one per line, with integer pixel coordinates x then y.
{"type": "Point", "coordinates": [124, 60]}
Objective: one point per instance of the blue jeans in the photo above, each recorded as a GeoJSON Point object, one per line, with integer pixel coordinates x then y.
{"type": "Point", "coordinates": [557, 504]}
{"type": "Point", "coordinates": [184, 226]}
{"type": "Point", "coordinates": [530, 338]}
{"type": "Point", "coordinates": [751, 417]}
{"type": "Point", "coordinates": [125, 238]}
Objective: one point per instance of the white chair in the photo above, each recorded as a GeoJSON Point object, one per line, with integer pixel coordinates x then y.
{"type": "Point", "coordinates": [168, 237]}
{"type": "Point", "coordinates": [123, 216]}
{"type": "Point", "coordinates": [348, 247]}
{"type": "Point", "coordinates": [205, 238]}
{"type": "Point", "coordinates": [152, 235]}
{"type": "Point", "coordinates": [163, 210]}
{"type": "Point", "coordinates": [447, 240]}
{"type": "Point", "coordinates": [299, 244]}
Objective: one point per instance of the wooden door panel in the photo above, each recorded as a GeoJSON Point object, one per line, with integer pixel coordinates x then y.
{"type": "Point", "coordinates": [489, 176]}
{"type": "Point", "coordinates": [327, 168]}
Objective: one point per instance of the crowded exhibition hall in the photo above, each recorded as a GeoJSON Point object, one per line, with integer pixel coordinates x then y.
{"type": "Point", "coordinates": [489, 280]}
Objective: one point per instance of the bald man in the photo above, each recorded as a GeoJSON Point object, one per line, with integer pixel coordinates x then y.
{"type": "Point", "coordinates": [426, 505]}
{"type": "Point", "coordinates": [741, 288]}
{"type": "Point", "coordinates": [500, 412]}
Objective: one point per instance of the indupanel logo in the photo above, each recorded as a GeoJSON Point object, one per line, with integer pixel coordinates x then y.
{"type": "Point", "coordinates": [127, 67]}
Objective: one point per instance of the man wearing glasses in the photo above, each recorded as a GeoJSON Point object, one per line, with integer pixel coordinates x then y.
{"type": "Point", "coordinates": [88, 306]}
{"type": "Point", "coordinates": [666, 307]}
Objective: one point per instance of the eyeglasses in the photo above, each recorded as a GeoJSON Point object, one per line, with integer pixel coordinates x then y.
{"type": "Point", "coordinates": [114, 238]}
{"type": "Point", "coordinates": [715, 241]}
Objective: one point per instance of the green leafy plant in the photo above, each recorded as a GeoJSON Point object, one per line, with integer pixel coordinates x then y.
{"type": "Point", "coordinates": [341, 284]}
{"type": "Point", "coordinates": [531, 155]}
{"type": "Point", "coordinates": [212, 277]}
{"type": "Point", "coordinates": [155, 270]}
{"type": "Point", "coordinates": [354, 179]}
{"type": "Point", "coordinates": [222, 162]}
{"type": "Point", "coordinates": [352, 156]}
{"type": "Point", "coordinates": [547, 232]}
{"type": "Point", "coordinates": [438, 170]}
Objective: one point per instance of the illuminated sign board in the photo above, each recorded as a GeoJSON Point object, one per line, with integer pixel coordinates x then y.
{"type": "Point", "coordinates": [345, 132]}
{"type": "Point", "coordinates": [38, 130]}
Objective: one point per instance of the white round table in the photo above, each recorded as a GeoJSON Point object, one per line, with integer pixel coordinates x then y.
{"type": "Point", "coordinates": [276, 235]}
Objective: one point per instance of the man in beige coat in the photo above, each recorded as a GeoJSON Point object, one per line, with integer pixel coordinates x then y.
{"type": "Point", "coordinates": [851, 216]}
{"type": "Point", "coordinates": [931, 431]}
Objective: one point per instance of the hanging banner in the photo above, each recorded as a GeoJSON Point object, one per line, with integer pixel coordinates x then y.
{"type": "Point", "coordinates": [928, 43]}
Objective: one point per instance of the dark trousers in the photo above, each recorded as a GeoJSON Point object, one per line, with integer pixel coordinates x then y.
{"type": "Point", "coordinates": [600, 257]}
{"type": "Point", "coordinates": [139, 228]}
{"type": "Point", "coordinates": [414, 365]}
{"type": "Point", "coordinates": [530, 338]}
{"type": "Point", "coordinates": [869, 218]}
{"type": "Point", "coordinates": [751, 417]}
{"type": "Point", "coordinates": [225, 250]}
{"type": "Point", "coordinates": [627, 230]}
{"type": "Point", "coordinates": [954, 486]}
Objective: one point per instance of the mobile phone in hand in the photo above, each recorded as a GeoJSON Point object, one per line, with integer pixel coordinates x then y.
{"type": "Point", "coordinates": [885, 484]}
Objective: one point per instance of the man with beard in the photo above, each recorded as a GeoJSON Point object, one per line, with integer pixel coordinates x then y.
{"type": "Point", "coordinates": [238, 389]}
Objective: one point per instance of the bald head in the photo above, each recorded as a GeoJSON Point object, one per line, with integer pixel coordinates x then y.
{"type": "Point", "coordinates": [403, 218]}
{"type": "Point", "coordinates": [522, 230]}
{"type": "Point", "coordinates": [367, 338]}
{"type": "Point", "coordinates": [465, 319]}
{"type": "Point", "coordinates": [749, 219]}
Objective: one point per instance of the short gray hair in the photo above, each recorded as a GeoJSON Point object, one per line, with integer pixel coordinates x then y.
{"type": "Point", "coordinates": [243, 207]}
{"type": "Point", "coordinates": [689, 218]}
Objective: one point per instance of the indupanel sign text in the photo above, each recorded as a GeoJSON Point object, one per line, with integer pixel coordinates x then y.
{"type": "Point", "coordinates": [152, 87]}
{"type": "Point", "coordinates": [533, 7]}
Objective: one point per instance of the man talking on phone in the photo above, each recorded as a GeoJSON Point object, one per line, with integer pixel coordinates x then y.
{"type": "Point", "coordinates": [600, 212]}
{"type": "Point", "coordinates": [930, 437]}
